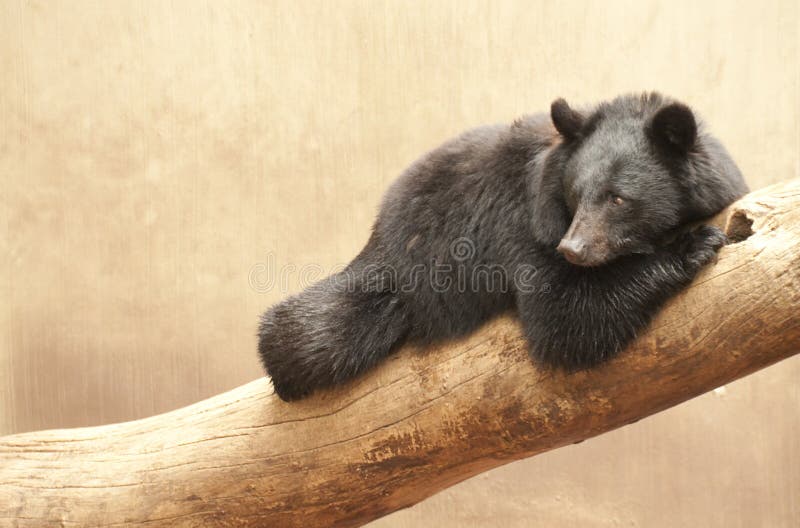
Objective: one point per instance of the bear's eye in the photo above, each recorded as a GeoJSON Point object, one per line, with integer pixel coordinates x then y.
{"type": "Point", "coordinates": [616, 200]}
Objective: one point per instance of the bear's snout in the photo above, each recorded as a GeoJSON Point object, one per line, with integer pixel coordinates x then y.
{"type": "Point", "coordinates": [574, 250]}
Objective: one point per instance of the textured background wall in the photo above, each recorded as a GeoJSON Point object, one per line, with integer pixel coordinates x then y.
{"type": "Point", "coordinates": [154, 154]}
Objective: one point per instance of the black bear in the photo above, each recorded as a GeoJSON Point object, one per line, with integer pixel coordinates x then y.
{"type": "Point", "coordinates": [574, 219]}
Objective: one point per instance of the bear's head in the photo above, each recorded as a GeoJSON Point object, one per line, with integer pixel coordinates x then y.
{"type": "Point", "coordinates": [624, 175]}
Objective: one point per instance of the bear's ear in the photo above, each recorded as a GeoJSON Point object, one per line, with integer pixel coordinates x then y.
{"type": "Point", "coordinates": [674, 128]}
{"type": "Point", "coordinates": [567, 121]}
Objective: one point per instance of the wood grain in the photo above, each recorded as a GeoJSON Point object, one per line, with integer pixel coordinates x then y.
{"type": "Point", "coordinates": [420, 422]}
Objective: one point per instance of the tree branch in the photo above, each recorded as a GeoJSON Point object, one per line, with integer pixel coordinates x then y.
{"type": "Point", "coordinates": [420, 422]}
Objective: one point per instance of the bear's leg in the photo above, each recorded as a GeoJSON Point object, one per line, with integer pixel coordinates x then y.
{"type": "Point", "coordinates": [587, 315]}
{"type": "Point", "coordinates": [329, 333]}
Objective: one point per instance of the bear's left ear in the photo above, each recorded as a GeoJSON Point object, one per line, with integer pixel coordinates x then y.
{"type": "Point", "coordinates": [674, 128]}
{"type": "Point", "coordinates": [567, 121]}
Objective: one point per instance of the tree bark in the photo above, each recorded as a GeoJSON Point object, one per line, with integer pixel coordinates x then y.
{"type": "Point", "coordinates": [420, 422]}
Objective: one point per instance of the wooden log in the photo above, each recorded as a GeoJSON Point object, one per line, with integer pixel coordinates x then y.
{"type": "Point", "coordinates": [420, 422]}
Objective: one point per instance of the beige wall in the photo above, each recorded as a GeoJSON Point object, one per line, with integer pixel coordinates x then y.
{"type": "Point", "coordinates": [153, 153]}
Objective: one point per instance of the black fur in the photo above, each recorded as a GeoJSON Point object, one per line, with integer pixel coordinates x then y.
{"type": "Point", "coordinates": [483, 224]}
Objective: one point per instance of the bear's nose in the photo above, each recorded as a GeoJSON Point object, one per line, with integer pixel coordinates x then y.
{"type": "Point", "coordinates": [574, 250]}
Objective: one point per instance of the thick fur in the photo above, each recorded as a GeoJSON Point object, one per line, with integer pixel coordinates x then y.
{"type": "Point", "coordinates": [471, 229]}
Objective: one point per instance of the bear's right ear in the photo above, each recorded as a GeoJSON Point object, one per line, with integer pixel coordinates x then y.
{"type": "Point", "coordinates": [567, 121]}
{"type": "Point", "coordinates": [674, 128]}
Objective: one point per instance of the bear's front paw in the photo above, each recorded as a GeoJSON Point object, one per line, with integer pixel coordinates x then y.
{"type": "Point", "coordinates": [699, 247]}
